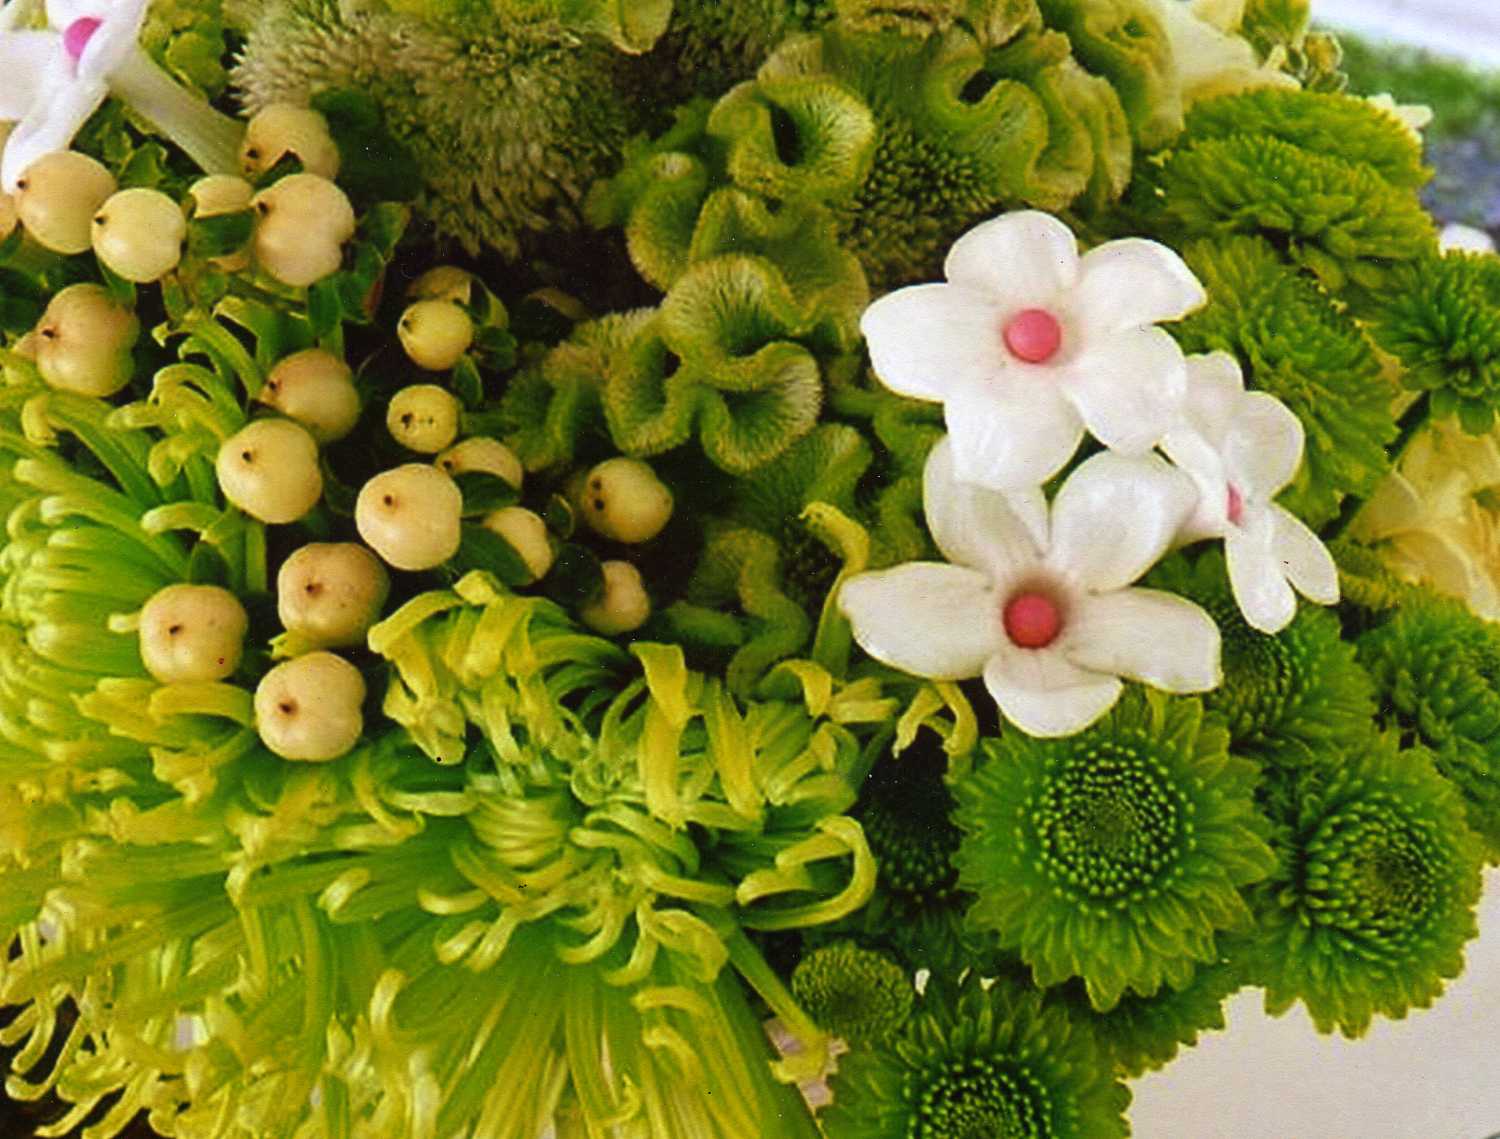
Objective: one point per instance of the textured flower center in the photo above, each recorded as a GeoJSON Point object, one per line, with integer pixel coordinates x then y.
{"type": "Point", "coordinates": [76, 36]}
{"type": "Point", "coordinates": [907, 812]}
{"type": "Point", "coordinates": [1033, 335]}
{"type": "Point", "coordinates": [982, 1099]}
{"type": "Point", "coordinates": [1234, 505]}
{"type": "Point", "coordinates": [1032, 620]}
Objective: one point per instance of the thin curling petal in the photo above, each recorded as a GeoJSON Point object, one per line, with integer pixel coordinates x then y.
{"type": "Point", "coordinates": [1305, 560]}
{"type": "Point", "coordinates": [973, 526]}
{"type": "Point", "coordinates": [1147, 635]}
{"type": "Point", "coordinates": [927, 340]}
{"type": "Point", "coordinates": [928, 619]}
{"type": "Point", "coordinates": [1255, 575]}
{"type": "Point", "coordinates": [1006, 438]}
{"type": "Point", "coordinates": [1128, 388]}
{"type": "Point", "coordinates": [1017, 260]}
{"type": "Point", "coordinates": [1044, 695]}
{"type": "Point", "coordinates": [1115, 517]}
{"type": "Point", "coordinates": [1263, 447]}
{"type": "Point", "coordinates": [1134, 282]}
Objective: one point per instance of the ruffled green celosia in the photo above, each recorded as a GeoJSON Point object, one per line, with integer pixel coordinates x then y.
{"type": "Point", "coordinates": [1373, 900]}
{"type": "Point", "coordinates": [976, 1062]}
{"type": "Point", "coordinates": [1116, 855]}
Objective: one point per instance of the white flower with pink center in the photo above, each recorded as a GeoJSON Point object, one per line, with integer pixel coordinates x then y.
{"type": "Point", "coordinates": [1027, 344]}
{"type": "Point", "coordinates": [1040, 603]}
{"type": "Point", "coordinates": [52, 80]}
{"type": "Point", "coordinates": [1242, 448]}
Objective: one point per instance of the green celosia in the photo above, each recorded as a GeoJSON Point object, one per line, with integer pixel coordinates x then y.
{"type": "Point", "coordinates": [976, 1062]}
{"type": "Point", "coordinates": [1374, 898]}
{"type": "Point", "coordinates": [711, 45]}
{"type": "Point", "coordinates": [1437, 668]}
{"type": "Point", "coordinates": [1116, 855]}
{"type": "Point", "coordinates": [858, 994]}
{"type": "Point", "coordinates": [1293, 698]}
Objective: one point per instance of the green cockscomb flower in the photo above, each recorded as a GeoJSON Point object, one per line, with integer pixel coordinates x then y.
{"type": "Point", "coordinates": [1374, 899]}
{"type": "Point", "coordinates": [1437, 670]}
{"type": "Point", "coordinates": [861, 995]}
{"type": "Point", "coordinates": [1287, 699]}
{"type": "Point", "coordinates": [1116, 855]}
{"type": "Point", "coordinates": [975, 1063]}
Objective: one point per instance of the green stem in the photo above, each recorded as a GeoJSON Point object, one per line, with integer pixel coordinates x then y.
{"type": "Point", "coordinates": [210, 138]}
{"type": "Point", "coordinates": [1416, 417]}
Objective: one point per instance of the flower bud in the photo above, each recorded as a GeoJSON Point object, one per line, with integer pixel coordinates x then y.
{"type": "Point", "coordinates": [423, 418]}
{"type": "Point", "coordinates": [138, 234]}
{"type": "Point", "coordinates": [315, 388]}
{"type": "Point", "coordinates": [84, 340]}
{"type": "Point", "coordinates": [624, 500]}
{"type": "Point", "coordinates": [330, 593]}
{"type": "Point", "coordinates": [435, 334]}
{"type": "Point", "coordinates": [411, 516]}
{"type": "Point", "coordinates": [57, 197]}
{"type": "Point", "coordinates": [192, 633]}
{"type": "Point", "coordinates": [269, 469]}
{"type": "Point", "coordinates": [300, 233]}
{"type": "Point", "coordinates": [311, 707]}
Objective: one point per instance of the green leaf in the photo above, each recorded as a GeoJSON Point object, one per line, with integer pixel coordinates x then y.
{"type": "Point", "coordinates": [467, 384]}
{"type": "Point", "coordinates": [206, 566]}
{"type": "Point", "coordinates": [120, 290]}
{"type": "Point", "coordinates": [374, 164]}
{"type": "Point", "coordinates": [324, 309]}
{"type": "Point", "coordinates": [481, 549]}
{"type": "Point", "coordinates": [484, 492]}
{"type": "Point", "coordinates": [576, 577]}
{"type": "Point", "coordinates": [221, 234]}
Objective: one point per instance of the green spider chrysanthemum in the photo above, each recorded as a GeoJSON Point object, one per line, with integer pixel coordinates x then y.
{"type": "Point", "coordinates": [978, 1064]}
{"type": "Point", "coordinates": [1437, 667]}
{"type": "Point", "coordinates": [861, 995]}
{"type": "Point", "coordinates": [1287, 698]}
{"type": "Point", "coordinates": [1115, 855]}
{"type": "Point", "coordinates": [1374, 900]}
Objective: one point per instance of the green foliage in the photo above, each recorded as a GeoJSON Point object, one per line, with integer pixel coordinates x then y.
{"type": "Point", "coordinates": [858, 994]}
{"type": "Point", "coordinates": [1115, 855]}
{"type": "Point", "coordinates": [1374, 897]}
{"type": "Point", "coordinates": [187, 37]}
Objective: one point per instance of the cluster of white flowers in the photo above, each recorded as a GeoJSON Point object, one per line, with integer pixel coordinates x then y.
{"type": "Point", "coordinates": [1029, 346]}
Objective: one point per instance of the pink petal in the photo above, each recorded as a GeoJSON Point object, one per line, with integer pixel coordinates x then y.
{"type": "Point", "coordinates": [1128, 387]}
{"type": "Point", "coordinates": [1041, 693]}
{"type": "Point", "coordinates": [1304, 559]}
{"type": "Point", "coordinates": [925, 618]}
{"type": "Point", "coordinates": [974, 526]}
{"type": "Point", "coordinates": [927, 340]}
{"type": "Point", "coordinates": [1264, 445]}
{"type": "Point", "coordinates": [1011, 434]}
{"type": "Point", "coordinates": [1147, 635]}
{"type": "Point", "coordinates": [1018, 260]}
{"type": "Point", "coordinates": [1132, 283]}
{"type": "Point", "coordinates": [1256, 576]}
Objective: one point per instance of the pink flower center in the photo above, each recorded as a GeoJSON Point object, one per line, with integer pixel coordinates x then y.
{"type": "Point", "coordinates": [77, 35]}
{"type": "Point", "coordinates": [1033, 335]}
{"type": "Point", "coordinates": [1234, 507]}
{"type": "Point", "coordinates": [1032, 620]}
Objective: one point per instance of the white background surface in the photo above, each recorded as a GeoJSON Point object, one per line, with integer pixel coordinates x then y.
{"type": "Point", "coordinates": [1467, 28]}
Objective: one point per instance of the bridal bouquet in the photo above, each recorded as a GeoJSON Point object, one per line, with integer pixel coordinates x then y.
{"type": "Point", "coordinates": [571, 566]}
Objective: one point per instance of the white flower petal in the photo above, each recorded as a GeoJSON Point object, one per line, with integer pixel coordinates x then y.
{"type": "Point", "coordinates": [1020, 259]}
{"type": "Point", "coordinates": [1042, 694]}
{"type": "Point", "coordinates": [25, 60]}
{"type": "Point", "coordinates": [1195, 456]}
{"type": "Point", "coordinates": [1128, 387]}
{"type": "Point", "coordinates": [115, 40]}
{"type": "Point", "coordinates": [1305, 560]}
{"type": "Point", "coordinates": [62, 13]}
{"type": "Point", "coordinates": [1011, 435]}
{"type": "Point", "coordinates": [927, 340]}
{"type": "Point", "coordinates": [1264, 446]}
{"type": "Point", "coordinates": [1215, 386]}
{"type": "Point", "coordinates": [60, 114]}
{"type": "Point", "coordinates": [973, 526]}
{"type": "Point", "coordinates": [1146, 635]}
{"type": "Point", "coordinates": [925, 618]}
{"type": "Point", "coordinates": [1260, 587]}
{"type": "Point", "coordinates": [1131, 283]}
{"type": "Point", "coordinates": [1115, 517]}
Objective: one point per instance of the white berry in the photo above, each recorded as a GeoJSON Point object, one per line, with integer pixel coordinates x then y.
{"type": "Point", "coordinates": [282, 129]}
{"type": "Point", "coordinates": [435, 334]}
{"type": "Point", "coordinates": [303, 222]}
{"type": "Point", "coordinates": [423, 418]}
{"type": "Point", "coordinates": [330, 593]}
{"type": "Point", "coordinates": [138, 234]}
{"type": "Point", "coordinates": [623, 607]}
{"type": "Point", "coordinates": [625, 501]}
{"type": "Point", "coordinates": [411, 516]}
{"type": "Point", "coordinates": [484, 455]}
{"type": "Point", "coordinates": [443, 283]}
{"type": "Point", "coordinates": [83, 341]}
{"type": "Point", "coordinates": [311, 707]}
{"type": "Point", "coordinates": [269, 469]}
{"type": "Point", "coordinates": [57, 197]}
{"type": "Point", "coordinates": [527, 535]}
{"type": "Point", "coordinates": [192, 633]}
{"type": "Point", "coordinates": [315, 388]}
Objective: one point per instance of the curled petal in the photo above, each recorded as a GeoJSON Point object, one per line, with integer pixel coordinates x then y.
{"type": "Point", "coordinates": [925, 618]}
{"type": "Point", "coordinates": [1147, 635]}
{"type": "Point", "coordinates": [1264, 445]}
{"type": "Point", "coordinates": [1134, 282]}
{"type": "Point", "coordinates": [1115, 517]}
{"type": "Point", "coordinates": [973, 526]}
{"type": "Point", "coordinates": [1256, 576]}
{"type": "Point", "coordinates": [1304, 559]}
{"type": "Point", "coordinates": [1043, 694]}
{"type": "Point", "coordinates": [1018, 260]}
{"type": "Point", "coordinates": [1009, 436]}
{"type": "Point", "coordinates": [927, 340]}
{"type": "Point", "coordinates": [1128, 388]}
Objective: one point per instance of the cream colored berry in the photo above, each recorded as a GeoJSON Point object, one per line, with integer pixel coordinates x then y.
{"type": "Point", "coordinates": [269, 469]}
{"type": "Point", "coordinates": [435, 334]}
{"type": "Point", "coordinates": [219, 194]}
{"type": "Point", "coordinates": [57, 197]}
{"type": "Point", "coordinates": [84, 341]}
{"type": "Point", "coordinates": [423, 418]}
{"type": "Point", "coordinates": [623, 607]}
{"type": "Point", "coordinates": [282, 129]}
{"type": "Point", "coordinates": [192, 633]}
{"type": "Point", "coordinates": [302, 224]}
{"type": "Point", "coordinates": [311, 707]}
{"type": "Point", "coordinates": [527, 535]}
{"type": "Point", "coordinates": [411, 516]}
{"type": "Point", "coordinates": [330, 593]}
{"type": "Point", "coordinates": [443, 283]}
{"type": "Point", "coordinates": [625, 501]}
{"type": "Point", "coordinates": [484, 455]}
{"type": "Point", "coordinates": [316, 388]}
{"type": "Point", "coordinates": [138, 234]}
{"type": "Point", "coordinates": [8, 218]}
